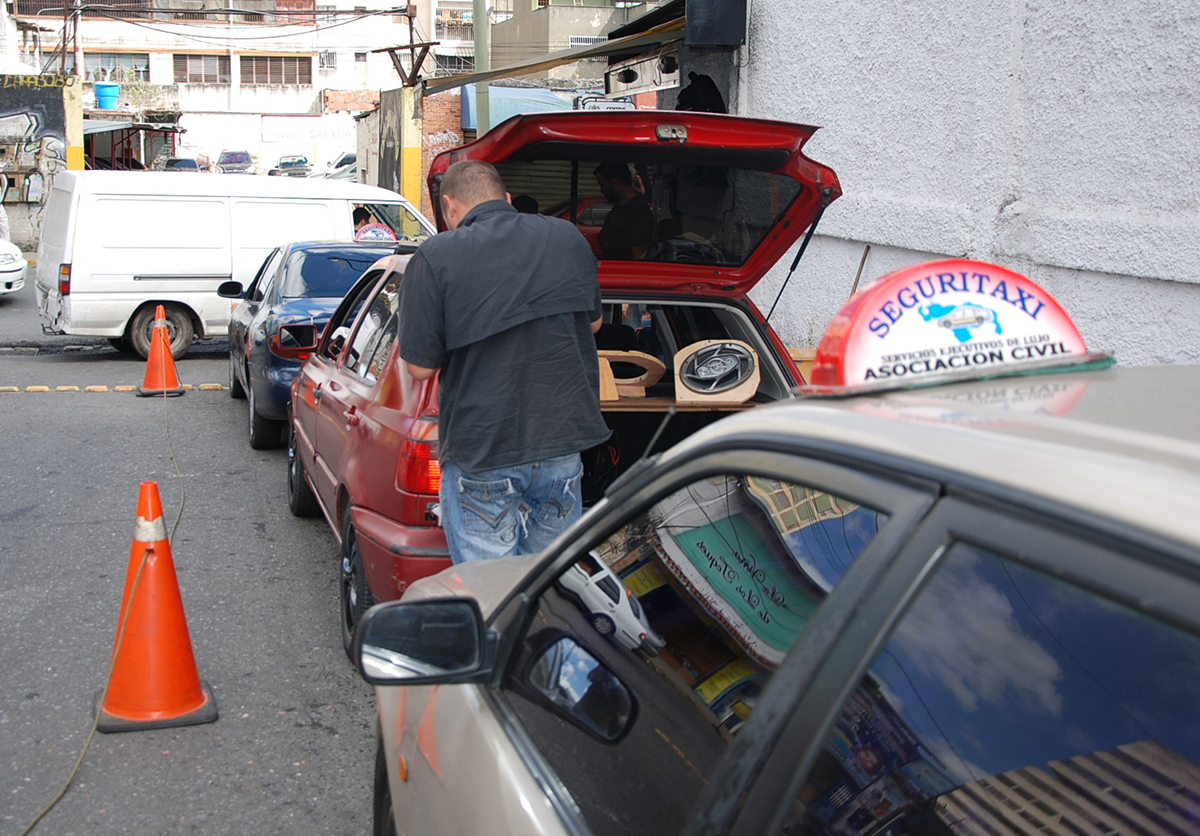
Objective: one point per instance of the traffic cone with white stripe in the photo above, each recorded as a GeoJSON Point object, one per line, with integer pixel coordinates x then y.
{"type": "Point", "coordinates": [160, 376]}
{"type": "Point", "coordinates": [154, 683]}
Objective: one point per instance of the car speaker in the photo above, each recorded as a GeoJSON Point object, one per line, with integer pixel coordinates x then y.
{"type": "Point", "coordinates": [716, 372]}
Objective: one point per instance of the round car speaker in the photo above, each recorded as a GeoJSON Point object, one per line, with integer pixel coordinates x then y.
{"type": "Point", "coordinates": [717, 368]}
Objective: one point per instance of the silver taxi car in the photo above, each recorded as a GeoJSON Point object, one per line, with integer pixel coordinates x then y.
{"type": "Point", "coordinates": [963, 608]}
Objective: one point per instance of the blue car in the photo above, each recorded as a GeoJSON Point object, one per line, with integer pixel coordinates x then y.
{"type": "Point", "coordinates": [279, 320]}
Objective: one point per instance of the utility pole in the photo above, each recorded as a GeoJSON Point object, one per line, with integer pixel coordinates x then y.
{"type": "Point", "coordinates": [483, 121]}
{"type": "Point", "coordinates": [80, 69]}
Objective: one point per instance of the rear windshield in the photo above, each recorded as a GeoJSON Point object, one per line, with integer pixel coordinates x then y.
{"type": "Point", "coordinates": [328, 273]}
{"type": "Point", "coordinates": [235, 158]}
{"type": "Point", "coordinates": [714, 208]}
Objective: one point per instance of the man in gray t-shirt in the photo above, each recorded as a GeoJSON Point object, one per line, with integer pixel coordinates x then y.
{"type": "Point", "coordinates": [505, 304]}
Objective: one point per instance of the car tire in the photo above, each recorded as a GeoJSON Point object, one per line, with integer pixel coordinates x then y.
{"type": "Point", "coordinates": [352, 586]}
{"type": "Point", "coordinates": [301, 500]}
{"type": "Point", "coordinates": [603, 624]}
{"type": "Point", "coordinates": [179, 329]}
{"type": "Point", "coordinates": [236, 390]}
{"type": "Point", "coordinates": [383, 819]}
{"type": "Point", "coordinates": [264, 432]}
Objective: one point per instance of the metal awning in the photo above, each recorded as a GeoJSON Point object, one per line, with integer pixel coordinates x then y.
{"type": "Point", "coordinates": [672, 30]}
{"type": "Point", "coordinates": [99, 126]}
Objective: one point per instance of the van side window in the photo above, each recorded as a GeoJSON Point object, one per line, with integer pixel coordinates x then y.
{"type": "Point", "coordinates": [660, 640]}
{"type": "Point", "coordinates": [1007, 700]}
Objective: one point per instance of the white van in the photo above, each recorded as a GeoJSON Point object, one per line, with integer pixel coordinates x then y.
{"type": "Point", "coordinates": [115, 244]}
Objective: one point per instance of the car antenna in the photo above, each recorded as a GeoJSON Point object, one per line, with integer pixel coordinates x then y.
{"type": "Point", "coordinates": [826, 199]}
{"type": "Point", "coordinates": [662, 426]}
{"type": "Point", "coordinates": [861, 263]}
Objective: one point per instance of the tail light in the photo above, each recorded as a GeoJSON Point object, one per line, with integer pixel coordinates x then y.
{"type": "Point", "coordinates": [64, 280]}
{"type": "Point", "coordinates": [419, 469]}
{"type": "Point", "coordinates": [293, 342]}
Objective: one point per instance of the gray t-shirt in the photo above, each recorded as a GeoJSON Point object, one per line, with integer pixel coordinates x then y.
{"type": "Point", "coordinates": [504, 306]}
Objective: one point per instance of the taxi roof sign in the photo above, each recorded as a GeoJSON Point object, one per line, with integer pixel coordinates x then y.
{"type": "Point", "coordinates": [944, 320]}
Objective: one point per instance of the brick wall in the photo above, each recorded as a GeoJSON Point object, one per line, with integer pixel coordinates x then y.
{"type": "Point", "coordinates": [442, 130]}
{"type": "Point", "coordinates": [352, 100]}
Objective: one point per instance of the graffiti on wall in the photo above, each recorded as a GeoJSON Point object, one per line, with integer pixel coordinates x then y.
{"type": "Point", "coordinates": [391, 111]}
{"type": "Point", "coordinates": [33, 134]}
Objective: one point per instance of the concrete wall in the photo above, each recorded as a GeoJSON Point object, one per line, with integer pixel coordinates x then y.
{"type": "Point", "coordinates": [1055, 138]}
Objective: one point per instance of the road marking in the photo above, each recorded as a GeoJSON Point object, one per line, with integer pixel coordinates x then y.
{"type": "Point", "coordinates": [41, 390]}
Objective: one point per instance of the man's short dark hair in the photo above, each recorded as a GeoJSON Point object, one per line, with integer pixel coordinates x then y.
{"type": "Point", "coordinates": [360, 215]}
{"type": "Point", "coordinates": [614, 170]}
{"type": "Point", "coordinates": [471, 182]}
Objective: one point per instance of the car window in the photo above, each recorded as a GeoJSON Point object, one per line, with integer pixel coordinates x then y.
{"type": "Point", "coordinates": [376, 330]}
{"type": "Point", "coordinates": [258, 288]}
{"type": "Point", "coordinates": [326, 273]}
{"type": "Point", "coordinates": [1010, 701]}
{"type": "Point", "coordinates": [343, 318]}
{"type": "Point", "coordinates": [711, 210]}
{"type": "Point", "coordinates": [714, 583]}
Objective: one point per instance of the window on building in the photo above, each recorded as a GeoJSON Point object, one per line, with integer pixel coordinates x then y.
{"type": "Point", "coordinates": [586, 40]}
{"type": "Point", "coordinates": [113, 66]}
{"type": "Point", "coordinates": [360, 57]}
{"type": "Point", "coordinates": [276, 69]}
{"type": "Point", "coordinates": [201, 69]}
{"type": "Point", "coordinates": [327, 60]}
{"type": "Point", "coordinates": [453, 64]}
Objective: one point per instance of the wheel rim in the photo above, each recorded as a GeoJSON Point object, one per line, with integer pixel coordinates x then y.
{"type": "Point", "coordinates": [293, 473]}
{"type": "Point", "coordinates": [603, 624]}
{"type": "Point", "coordinates": [250, 402]}
{"type": "Point", "coordinates": [232, 376]}
{"type": "Point", "coordinates": [350, 593]}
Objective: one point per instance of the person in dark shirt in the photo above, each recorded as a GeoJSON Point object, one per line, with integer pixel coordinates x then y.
{"type": "Point", "coordinates": [505, 306]}
{"type": "Point", "coordinates": [628, 229]}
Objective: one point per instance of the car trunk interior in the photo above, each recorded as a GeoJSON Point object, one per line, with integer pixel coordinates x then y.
{"type": "Point", "coordinates": [638, 331]}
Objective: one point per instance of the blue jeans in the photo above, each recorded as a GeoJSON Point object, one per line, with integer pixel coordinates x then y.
{"type": "Point", "coordinates": [509, 510]}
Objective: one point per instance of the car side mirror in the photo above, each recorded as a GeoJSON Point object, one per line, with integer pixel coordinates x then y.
{"type": "Point", "coordinates": [566, 678]}
{"type": "Point", "coordinates": [231, 290]}
{"type": "Point", "coordinates": [295, 341]}
{"type": "Point", "coordinates": [421, 642]}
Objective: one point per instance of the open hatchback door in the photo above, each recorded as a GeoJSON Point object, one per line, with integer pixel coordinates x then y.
{"type": "Point", "coordinates": [728, 196]}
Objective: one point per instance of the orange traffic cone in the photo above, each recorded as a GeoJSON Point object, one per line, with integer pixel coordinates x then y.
{"type": "Point", "coordinates": [160, 376]}
{"type": "Point", "coordinates": [154, 682]}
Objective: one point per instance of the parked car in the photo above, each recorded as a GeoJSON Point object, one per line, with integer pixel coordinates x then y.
{"type": "Point", "coordinates": [13, 267]}
{"type": "Point", "coordinates": [613, 609]}
{"type": "Point", "coordinates": [276, 325]}
{"type": "Point", "coordinates": [348, 172]}
{"type": "Point", "coordinates": [235, 162]}
{"type": "Point", "coordinates": [364, 434]}
{"type": "Point", "coordinates": [180, 164]}
{"type": "Point", "coordinates": [294, 166]}
{"type": "Point", "coordinates": [912, 604]}
{"type": "Point", "coordinates": [341, 164]}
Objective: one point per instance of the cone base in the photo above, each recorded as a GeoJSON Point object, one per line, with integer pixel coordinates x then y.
{"type": "Point", "coordinates": [113, 723]}
{"type": "Point", "coordinates": [170, 393]}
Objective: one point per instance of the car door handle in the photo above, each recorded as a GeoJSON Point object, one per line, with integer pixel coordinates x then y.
{"type": "Point", "coordinates": [351, 417]}
{"type": "Point", "coordinates": [316, 392]}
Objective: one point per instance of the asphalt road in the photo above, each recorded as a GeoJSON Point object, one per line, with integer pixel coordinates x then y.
{"type": "Point", "coordinates": [292, 750]}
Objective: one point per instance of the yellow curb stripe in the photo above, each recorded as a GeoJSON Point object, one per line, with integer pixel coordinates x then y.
{"type": "Point", "coordinates": [124, 388]}
{"type": "Point", "coordinates": [211, 387]}
{"type": "Point", "coordinates": [187, 387]}
{"type": "Point", "coordinates": [6, 389]}
{"type": "Point", "coordinates": [96, 389]}
{"type": "Point", "coordinates": [66, 388]}
{"type": "Point", "coordinates": [37, 388]}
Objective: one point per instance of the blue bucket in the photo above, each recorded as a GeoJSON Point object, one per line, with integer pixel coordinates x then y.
{"type": "Point", "coordinates": [106, 95]}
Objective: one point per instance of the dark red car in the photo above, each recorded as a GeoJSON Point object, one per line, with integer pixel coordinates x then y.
{"type": "Point", "coordinates": [682, 340]}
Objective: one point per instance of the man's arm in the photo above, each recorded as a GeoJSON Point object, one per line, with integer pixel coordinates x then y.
{"type": "Point", "coordinates": [595, 325]}
{"type": "Point", "coordinates": [422, 373]}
